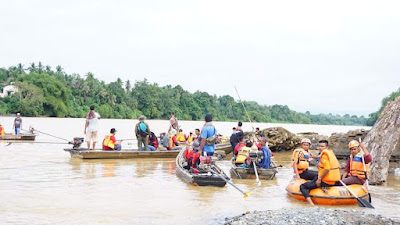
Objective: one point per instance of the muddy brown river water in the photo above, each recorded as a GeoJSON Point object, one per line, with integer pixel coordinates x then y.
{"type": "Point", "coordinates": [41, 184]}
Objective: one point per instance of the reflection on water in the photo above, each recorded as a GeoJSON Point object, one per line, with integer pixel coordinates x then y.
{"type": "Point", "coordinates": [41, 184]}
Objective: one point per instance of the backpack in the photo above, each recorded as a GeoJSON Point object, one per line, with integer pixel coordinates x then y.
{"type": "Point", "coordinates": [142, 129]}
{"type": "Point", "coordinates": [165, 141]}
{"type": "Point", "coordinates": [213, 139]}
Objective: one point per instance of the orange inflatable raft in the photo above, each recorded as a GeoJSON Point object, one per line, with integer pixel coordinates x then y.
{"type": "Point", "coordinates": [335, 195]}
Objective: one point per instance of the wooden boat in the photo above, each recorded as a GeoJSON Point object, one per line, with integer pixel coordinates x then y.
{"type": "Point", "coordinates": [335, 195]}
{"type": "Point", "coordinates": [83, 153]}
{"type": "Point", "coordinates": [19, 137]}
{"type": "Point", "coordinates": [248, 173]}
{"type": "Point", "coordinates": [226, 147]}
{"type": "Point", "coordinates": [205, 178]}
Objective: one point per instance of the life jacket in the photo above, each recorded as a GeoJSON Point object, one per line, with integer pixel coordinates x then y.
{"type": "Point", "coordinates": [303, 164]}
{"type": "Point", "coordinates": [2, 130]}
{"type": "Point", "coordinates": [171, 143]}
{"type": "Point", "coordinates": [242, 155]}
{"type": "Point", "coordinates": [190, 138]}
{"type": "Point", "coordinates": [108, 142]}
{"type": "Point", "coordinates": [189, 154]}
{"type": "Point", "coordinates": [357, 166]}
{"type": "Point", "coordinates": [334, 173]}
{"type": "Point", "coordinates": [180, 137]}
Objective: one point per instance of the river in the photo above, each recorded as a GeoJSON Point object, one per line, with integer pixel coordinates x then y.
{"type": "Point", "coordinates": [41, 184]}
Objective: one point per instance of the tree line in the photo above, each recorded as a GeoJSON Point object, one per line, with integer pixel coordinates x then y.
{"type": "Point", "coordinates": [44, 91]}
{"type": "Point", "coordinates": [373, 117]}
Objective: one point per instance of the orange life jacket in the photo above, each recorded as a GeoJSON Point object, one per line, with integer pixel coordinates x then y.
{"type": "Point", "coordinates": [334, 172]}
{"type": "Point", "coordinates": [242, 154]}
{"type": "Point", "coordinates": [303, 164]}
{"type": "Point", "coordinates": [180, 137]}
{"type": "Point", "coordinates": [357, 166]}
{"type": "Point", "coordinates": [107, 141]}
{"type": "Point", "coordinates": [1, 130]}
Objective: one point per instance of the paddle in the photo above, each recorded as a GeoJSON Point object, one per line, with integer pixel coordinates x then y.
{"type": "Point", "coordinates": [256, 172]}
{"type": "Point", "coordinates": [245, 194]}
{"type": "Point", "coordinates": [361, 202]}
{"type": "Point", "coordinates": [366, 177]}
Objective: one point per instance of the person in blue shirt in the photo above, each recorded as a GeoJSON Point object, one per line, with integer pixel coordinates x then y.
{"type": "Point", "coordinates": [266, 161]}
{"type": "Point", "coordinates": [208, 136]}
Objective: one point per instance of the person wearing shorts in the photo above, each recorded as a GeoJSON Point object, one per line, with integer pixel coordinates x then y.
{"type": "Point", "coordinates": [92, 127]}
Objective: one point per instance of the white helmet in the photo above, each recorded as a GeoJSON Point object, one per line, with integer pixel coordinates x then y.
{"type": "Point", "coordinates": [306, 140]}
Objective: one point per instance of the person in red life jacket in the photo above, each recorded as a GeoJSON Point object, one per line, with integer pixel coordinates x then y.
{"type": "Point", "coordinates": [239, 145]}
{"type": "Point", "coordinates": [110, 143]}
{"type": "Point", "coordinates": [196, 157]}
{"type": "Point", "coordinates": [2, 130]}
{"type": "Point", "coordinates": [355, 172]}
{"type": "Point", "coordinates": [153, 142]}
{"type": "Point", "coordinates": [189, 154]}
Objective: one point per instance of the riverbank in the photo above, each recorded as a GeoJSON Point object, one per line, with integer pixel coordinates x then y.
{"type": "Point", "coordinates": [309, 216]}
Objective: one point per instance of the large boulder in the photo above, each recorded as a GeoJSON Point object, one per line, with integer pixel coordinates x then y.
{"type": "Point", "coordinates": [279, 139]}
{"type": "Point", "coordinates": [338, 142]}
{"type": "Point", "coordinates": [383, 140]}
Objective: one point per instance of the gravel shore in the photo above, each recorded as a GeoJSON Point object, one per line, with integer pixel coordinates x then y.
{"type": "Point", "coordinates": [309, 216]}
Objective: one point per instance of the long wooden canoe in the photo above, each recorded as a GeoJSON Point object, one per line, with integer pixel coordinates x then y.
{"type": "Point", "coordinates": [249, 173]}
{"type": "Point", "coordinates": [21, 137]}
{"type": "Point", "coordinates": [83, 153]}
{"type": "Point", "coordinates": [205, 178]}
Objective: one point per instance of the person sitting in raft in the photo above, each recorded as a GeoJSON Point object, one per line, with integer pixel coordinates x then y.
{"type": "Point", "coordinates": [300, 161]}
{"type": "Point", "coordinates": [266, 160]}
{"type": "Point", "coordinates": [189, 153]}
{"type": "Point", "coordinates": [110, 143]}
{"type": "Point", "coordinates": [181, 137]}
{"type": "Point", "coordinates": [2, 130]}
{"type": "Point", "coordinates": [358, 162]}
{"type": "Point", "coordinates": [243, 156]}
{"type": "Point", "coordinates": [328, 171]}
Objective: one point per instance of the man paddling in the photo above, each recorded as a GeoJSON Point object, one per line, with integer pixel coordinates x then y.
{"type": "Point", "coordinates": [328, 171]}
{"type": "Point", "coordinates": [300, 161]}
{"type": "Point", "coordinates": [355, 172]}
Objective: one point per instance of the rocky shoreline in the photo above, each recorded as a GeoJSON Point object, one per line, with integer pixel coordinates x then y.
{"type": "Point", "coordinates": [309, 216]}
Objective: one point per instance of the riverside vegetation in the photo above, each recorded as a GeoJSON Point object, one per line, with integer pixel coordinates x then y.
{"type": "Point", "coordinates": [47, 92]}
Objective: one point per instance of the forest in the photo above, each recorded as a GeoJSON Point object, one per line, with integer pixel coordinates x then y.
{"type": "Point", "coordinates": [44, 91]}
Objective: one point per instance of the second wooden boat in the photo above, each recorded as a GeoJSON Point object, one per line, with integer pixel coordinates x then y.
{"type": "Point", "coordinates": [123, 154]}
{"type": "Point", "coordinates": [249, 173]}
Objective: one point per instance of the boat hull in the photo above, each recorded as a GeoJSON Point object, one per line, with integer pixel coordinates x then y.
{"type": "Point", "coordinates": [123, 154]}
{"type": "Point", "coordinates": [335, 195]}
{"type": "Point", "coordinates": [248, 173]}
{"type": "Point", "coordinates": [19, 137]}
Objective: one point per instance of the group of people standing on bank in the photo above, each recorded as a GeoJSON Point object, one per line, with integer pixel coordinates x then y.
{"type": "Point", "coordinates": [328, 174]}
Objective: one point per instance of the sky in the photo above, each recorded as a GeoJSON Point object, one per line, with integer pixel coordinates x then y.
{"type": "Point", "coordinates": [320, 56]}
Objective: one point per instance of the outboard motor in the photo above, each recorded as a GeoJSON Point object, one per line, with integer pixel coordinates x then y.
{"type": "Point", "coordinates": [256, 156]}
{"type": "Point", "coordinates": [206, 162]}
{"type": "Point", "coordinates": [76, 143]}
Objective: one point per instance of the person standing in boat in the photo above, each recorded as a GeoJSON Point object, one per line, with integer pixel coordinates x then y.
{"type": "Point", "coordinates": [142, 131]}
{"type": "Point", "coordinates": [110, 143]}
{"type": "Point", "coordinates": [355, 172]}
{"type": "Point", "coordinates": [17, 125]}
{"type": "Point", "coordinates": [328, 171]}
{"type": "Point", "coordinates": [234, 139]}
{"type": "Point", "coordinates": [173, 122]}
{"type": "Point", "coordinates": [300, 161]}
{"type": "Point", "coordinates": [208, 137]}
{"type": "Point", "coordinates": [91, 127]}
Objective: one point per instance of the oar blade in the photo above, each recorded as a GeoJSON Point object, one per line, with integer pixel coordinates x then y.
{"type": "Point", "coordinates": [364, 203]}
{"type": "Point", "coordinates": [246, 194]}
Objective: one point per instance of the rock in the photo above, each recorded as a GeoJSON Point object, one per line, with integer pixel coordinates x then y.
{"type": "Point", "coordinates": [279, 139]}
{"type": "Point", "coordinates": [338, 142]}
{"type": "Point", "coordinates": [314, 138]}
{"type": "Point", "coordinates": [382, 141]}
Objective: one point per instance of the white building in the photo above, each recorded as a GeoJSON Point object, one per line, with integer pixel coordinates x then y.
{"type": "Point", "coordinates": [8, 91]}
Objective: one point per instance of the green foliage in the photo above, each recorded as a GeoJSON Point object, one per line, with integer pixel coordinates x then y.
{"type": "Point", "coordinates": [373, 117]}
{"type": "Point", "coordinates": [55, 93]}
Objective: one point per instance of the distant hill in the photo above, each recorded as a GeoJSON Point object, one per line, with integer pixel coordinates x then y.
{"type": "Point", "coordinates": [47, 92]}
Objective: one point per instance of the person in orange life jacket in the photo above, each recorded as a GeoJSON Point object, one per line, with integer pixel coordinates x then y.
{"type": "Point", "coordinates": [181, 137]}
{"type": "Point", "coordinates": [328, 171]}
{"type": "Point", "coordinates": [207, 132]}
{"type": "Point", "coordinates": [243, 156]}
{"type": "Point", "coordinates": [2, 130]}
{"type": "Point", "coordinates": [300, 161]}
{"type": "Point", "coordinates": [354, 172]}
{"type": "Point", "coordinates": [110, 143]}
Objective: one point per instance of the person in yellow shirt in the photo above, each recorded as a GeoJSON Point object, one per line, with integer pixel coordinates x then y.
{"type": "Point", "coordinates": [328, 171]}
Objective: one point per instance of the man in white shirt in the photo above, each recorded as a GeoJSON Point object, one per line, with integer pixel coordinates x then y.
{"type": "Point", "coordinates": [91, 127]}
